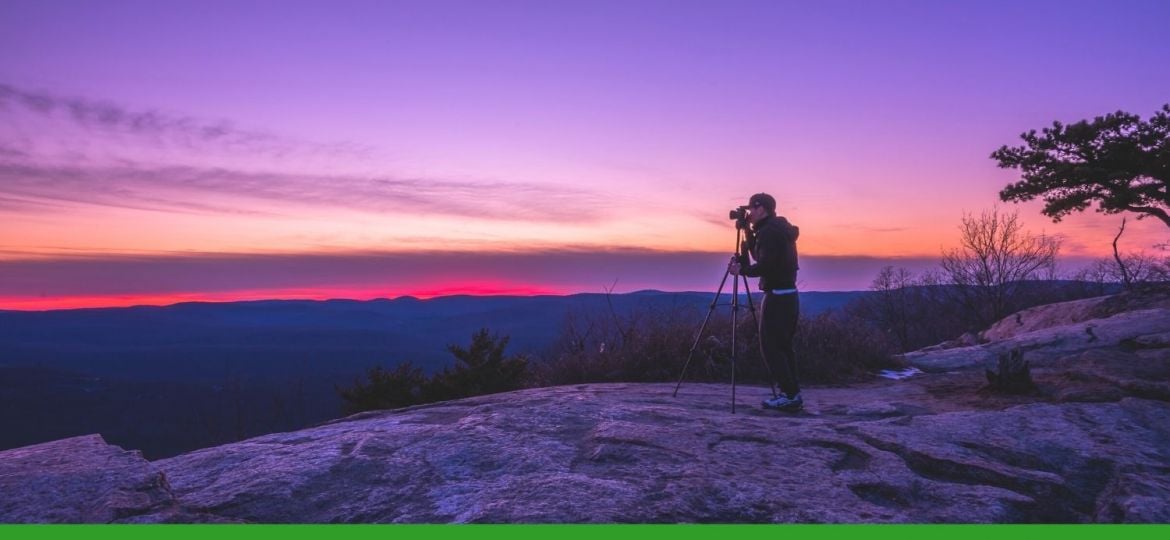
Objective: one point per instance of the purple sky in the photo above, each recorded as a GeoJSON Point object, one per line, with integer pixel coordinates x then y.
{"type": "Point", "coordinates": [558, 146]}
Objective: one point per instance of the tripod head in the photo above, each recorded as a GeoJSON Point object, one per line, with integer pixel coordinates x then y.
{"type": "Point", "coordinates": [742, 227]}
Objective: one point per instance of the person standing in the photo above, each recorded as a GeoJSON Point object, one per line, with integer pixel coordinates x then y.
{"type": "Point", "coordinates": [771, 243]}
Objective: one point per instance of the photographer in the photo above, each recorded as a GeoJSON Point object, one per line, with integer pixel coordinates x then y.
{"type": "Point", "coordinates": [771, 241]}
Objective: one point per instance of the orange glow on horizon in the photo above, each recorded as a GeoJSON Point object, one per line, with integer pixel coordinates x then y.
{"type": "Point", "coordinates": [486, 288]}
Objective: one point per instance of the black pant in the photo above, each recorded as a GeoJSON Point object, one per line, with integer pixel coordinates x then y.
{"type": "Point", "coordinates": [777, 329]}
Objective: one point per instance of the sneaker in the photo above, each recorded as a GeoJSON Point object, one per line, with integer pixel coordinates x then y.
{"type": "Point", "coordinates": [785, 403]}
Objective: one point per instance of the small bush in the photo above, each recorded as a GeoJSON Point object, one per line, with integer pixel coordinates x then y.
{"type": "Point", "coordinates": [643, 345]}
{"type": "Point", "coordinates": [838, 348]}
{"type": "Point", "coordinates": [653, 347]}
{"type": "Point", "coordinates": [482, 368]}
{"type": "Point", "coordinates": [385, 389]}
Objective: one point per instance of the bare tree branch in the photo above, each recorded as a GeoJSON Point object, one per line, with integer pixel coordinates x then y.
{"type": "Point", "coordinates": [1125, 275]}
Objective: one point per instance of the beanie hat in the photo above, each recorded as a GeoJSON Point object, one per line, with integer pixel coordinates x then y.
{"type": "Point", "coordinates": [765, 200]}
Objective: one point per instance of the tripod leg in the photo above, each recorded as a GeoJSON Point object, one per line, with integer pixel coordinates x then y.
{"type": "Point", "coordinates": [760, 337]}
{"type": "Point", "coordinates": [702, 328]}
{"type": "Point", "coordinates": [734, 326]}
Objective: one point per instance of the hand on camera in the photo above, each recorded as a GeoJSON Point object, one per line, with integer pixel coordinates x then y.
{"type": "Point", "coordinates": [733, 266]}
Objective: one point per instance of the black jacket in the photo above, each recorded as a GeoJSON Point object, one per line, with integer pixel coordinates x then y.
{"type": "Point", "coordinates": [773, 246]}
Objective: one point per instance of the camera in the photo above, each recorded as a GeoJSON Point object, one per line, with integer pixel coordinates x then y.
{"type": "Point", "coordinates": [739, 215]}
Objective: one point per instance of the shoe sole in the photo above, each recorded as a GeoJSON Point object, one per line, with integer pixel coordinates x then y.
{"type": "Point", "coordinates": [786, 408]}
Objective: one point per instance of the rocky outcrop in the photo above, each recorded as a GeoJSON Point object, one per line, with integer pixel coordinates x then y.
{"type": "Point", "coordinates": [1150, 341]}
{"type": "Point", "coordinates": [881, 452]}
{"type": "Point", "coordinates": [1044, 341]}
{"type": "Point", "coordinates": [1043, 317]}
{"type": "Point", "coordinates": [928, 449]}
{"type": "Point", "coordinates": [1076, 311]}
{"type": "Point", "coordinates": [85, 480]}
{"type": "Point", "coordinates": [1108, 375]}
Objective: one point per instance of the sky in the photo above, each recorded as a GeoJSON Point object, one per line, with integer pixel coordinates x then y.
{"type": "Point", "coordinates": [156, 152]}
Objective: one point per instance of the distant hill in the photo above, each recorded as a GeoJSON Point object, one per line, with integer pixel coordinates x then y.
{"type": "Point", "coordinates": [282, 338]}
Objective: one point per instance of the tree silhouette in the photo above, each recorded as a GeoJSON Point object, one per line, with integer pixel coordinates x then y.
{"type": "Point", "coordinates": [384, 389]}
{"type": "Point", "coordinates": [479, 369]}
{"type": "Point", "coordinates": [1118, 161]}
{"type": "Point", "coordinates": [996, 257]}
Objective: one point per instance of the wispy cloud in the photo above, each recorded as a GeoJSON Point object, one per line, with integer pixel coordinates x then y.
{"type": "Point", "coordinates": [862, 227]}
{"type": "Point", "coordinates": [30, 179]}
{"type": "Point", "coordinates": [224, 190]}
{"type": "Point", "coordinates": [155, 127]}
{"type": "Point", "coordinates": [7, 152]}
{"type": "Point", "coordinates": [13, 204]}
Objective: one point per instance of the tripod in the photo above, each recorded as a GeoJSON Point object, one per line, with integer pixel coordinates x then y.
{"type": "Point", "coordinates": [734, 322]}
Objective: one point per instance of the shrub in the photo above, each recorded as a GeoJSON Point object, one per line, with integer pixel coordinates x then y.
{"type": "Point", "coordinates": [653, 347]}
{"type": "Point", "coordinates": [482, 368]}
{"type": "Point", "coordinates": [911, 311]}
{"type": "Point", "coordinates": [839, 348]}
{"type": "Point", "coordinates": [385, 389]}
{"type": "Point", "coordinates": [642, 345]}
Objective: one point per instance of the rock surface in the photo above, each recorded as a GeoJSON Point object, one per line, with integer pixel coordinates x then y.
{"type": "Point", "coordinates": [928, 449]}
{"type": "Point", "coordinates": [85, 480]}
{"type": "Point", "coordinates": [1042, 317]}
{"type": "Point", "coordinates": [1049, 343]}
{"type": "Point", "coordinates": [1066, 313]}
{"type": "Point", "coordinates": [879, 452]}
